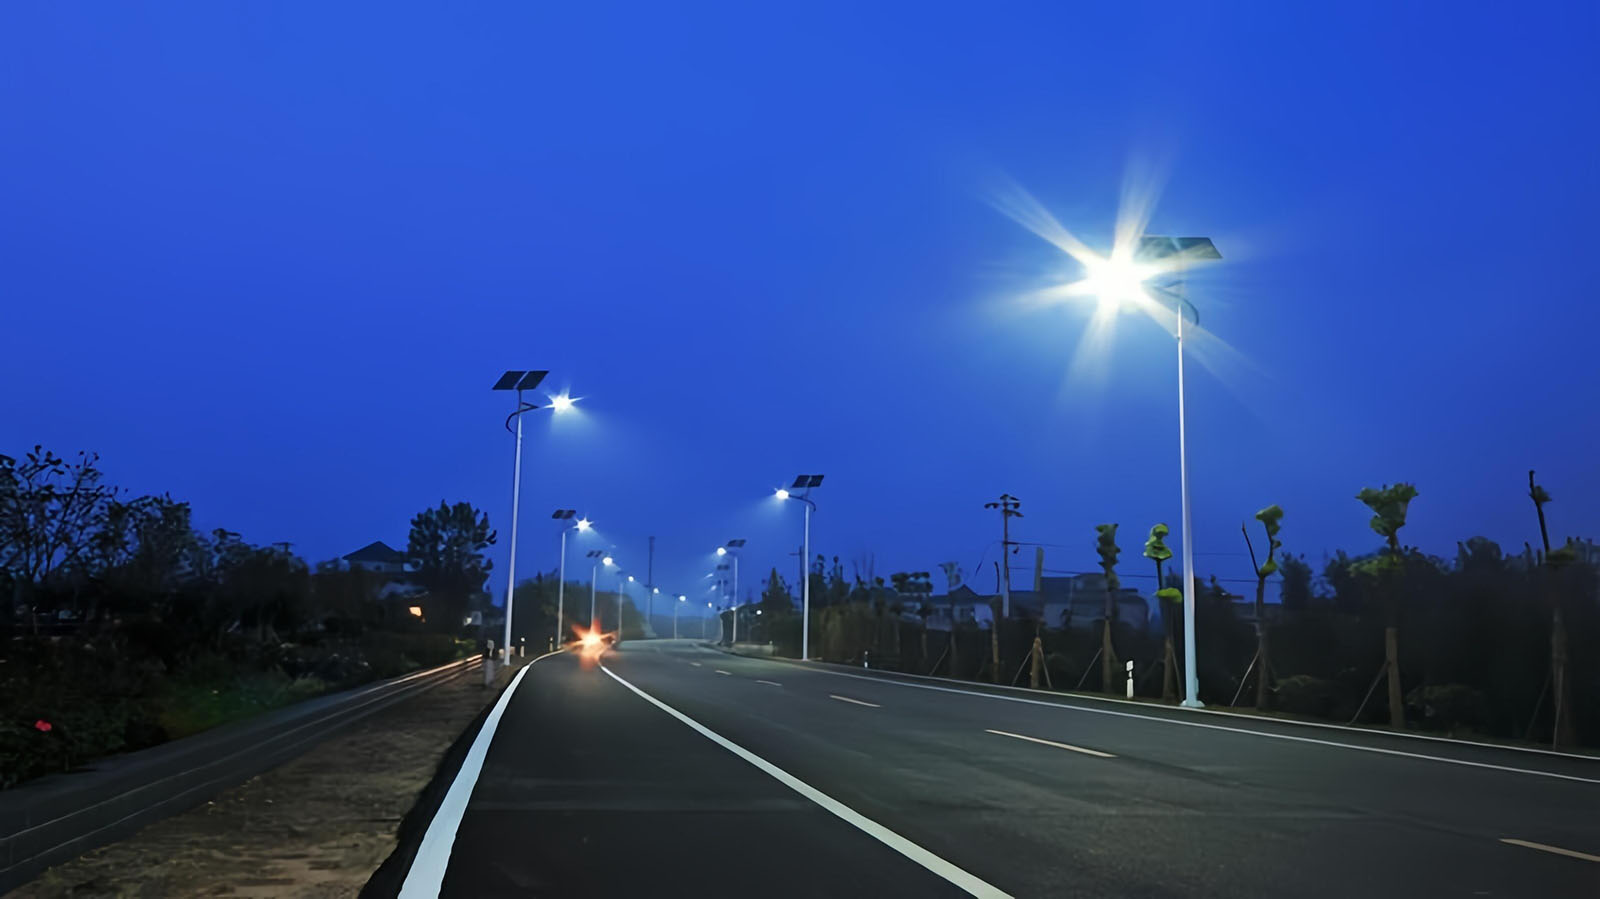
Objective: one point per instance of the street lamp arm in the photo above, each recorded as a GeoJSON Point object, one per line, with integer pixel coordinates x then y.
{"type": "Point", "coordinates": [521, 408]}
{"type": "Point", "coordinates": [1180, 301]}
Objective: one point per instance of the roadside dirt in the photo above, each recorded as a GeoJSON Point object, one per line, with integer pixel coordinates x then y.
{"type": "Point", "coordinates": [315, 827]}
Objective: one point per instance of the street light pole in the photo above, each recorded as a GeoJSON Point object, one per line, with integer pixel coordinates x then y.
{"type": "Point", "coordinates": [518, 381]}
{"type": "Point", "coordinates": [804, 483]}
{"type": "Point", "coordinates": [1191, 677]}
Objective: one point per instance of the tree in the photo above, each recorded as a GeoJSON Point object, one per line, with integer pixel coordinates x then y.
{"type": "Point", "coordinates": [1156, 549]}
{"type": "Point", "coordinates": [49, 511]}
{"type": "Point", "coordinates": [1389, 506]}
{"type": "Point", "coordinates": [1552, 561]}
{"type": "Point", "coordinates": [446, 545]}
{"type": "Point", "coordinates": [1294, 583]}
{"type": "Point", "coordinates": [775, 599]}
{"type": "Point", "coordinates": [1106, 546]}
{"type": "Point", "coordinates": [1269, 518]}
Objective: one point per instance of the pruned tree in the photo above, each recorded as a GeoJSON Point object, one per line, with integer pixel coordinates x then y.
{"type": "Point", "coordinates": [1269, 518]}
{"type": "Point", "coordinates": [1156, 549]}
{"type": "Point", "coordinates": [50, 510]}
{"type": "Point", "coordinates": [446, 545]}
{"type": "Point", "coordinates": [1106, 546]}
{"type": "Point", "coordinates": [1389, 506]}
{"type": "Point", "coordinates": [1552, 561]}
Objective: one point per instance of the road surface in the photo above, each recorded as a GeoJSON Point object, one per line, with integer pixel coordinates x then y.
{"type": "Point", "coordinates": [673, 769]}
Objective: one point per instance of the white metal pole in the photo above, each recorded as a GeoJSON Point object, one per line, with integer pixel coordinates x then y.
{"type": "Point", "coordinates": [735, 597]}
{"type": "Point", "coordinates": [675, 619]}
{"type": "Point", "coordinates": [805, 587]}
{"type": "Point", "coordinates": [561, 588]}
{"type": "Point", "coordinates": [516, 500]}
{"type": "Point", "coordinates": [1191, 694]}
{"type": "Point", "coordinates": [594, 574]}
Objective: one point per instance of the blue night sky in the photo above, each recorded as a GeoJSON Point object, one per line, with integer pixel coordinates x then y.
{"type": "Point", "coordinates": [270, 258]}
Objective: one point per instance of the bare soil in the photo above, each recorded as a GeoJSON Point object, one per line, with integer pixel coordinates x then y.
{"type": "Point", "coordinates": [315, 827]}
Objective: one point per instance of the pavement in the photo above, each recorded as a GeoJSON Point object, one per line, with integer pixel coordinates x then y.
{"type": "Point", "coordinates": [668, 768]}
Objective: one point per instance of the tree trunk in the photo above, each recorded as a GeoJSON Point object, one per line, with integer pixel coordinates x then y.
{"type": "Point", "coordinates": [1108, 658]}
{"type": "Point", "coordinates": [1169, 673]}
{"type": "Point", "coordinates": [1562, 735]}
{"type": "Point", "coordinates": [1038, 663]}
{"type": "Point", "coordinates": [1261, 644]}
{"type": "Point", "coordinates": [994, 644]}
{"type": "Point", "coordinates": [1391, 655]}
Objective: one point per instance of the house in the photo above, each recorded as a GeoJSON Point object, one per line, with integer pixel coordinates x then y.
{"type": "Point", "coordinates": [1075, 601]}
{"type": "Point", "coordinates": [377, 557]}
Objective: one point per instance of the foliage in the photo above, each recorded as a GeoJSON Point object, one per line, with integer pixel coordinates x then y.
{"type": "Point", "coordinates": [446, 546]}
{"type": "Point", "coordinates": [1106, 546]}
{"type": "Point", "coordinates": [1156, 549]}
{"type": "Point", "coordinates": [1270, 518]}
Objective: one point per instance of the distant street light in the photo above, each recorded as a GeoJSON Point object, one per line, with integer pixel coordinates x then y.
{"type": "Point", "coordinates": [1126, 278]}
{"type": "Point", "coordinates": [681, 600]}
{"type": "Point", "coordinates": [804, 483]}
{"type": "Point", "coordinates": [518, 381]}
{"type": "Point", "coordinates": [600, 557]}
{"type": "Point", "coordinates": [728, 549]}
{"type": "Point", "coordinates": [582, 524]}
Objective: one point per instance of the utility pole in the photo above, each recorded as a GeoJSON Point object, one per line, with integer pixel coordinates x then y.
{"type": "Point", "coordinates": [1008, 506]}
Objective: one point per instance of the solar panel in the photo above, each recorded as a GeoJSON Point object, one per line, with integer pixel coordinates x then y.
{"type": "Point", "coordinates": [531, 380]}
{"type": "Point", "coordinates": [814, 480]}
{"type": "Point", "coordinates": [508, 381]}
{"type": "Point", "coordinates": [735, 543]}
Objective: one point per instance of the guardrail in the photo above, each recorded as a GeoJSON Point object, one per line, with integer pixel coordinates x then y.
{"type": "Point", "coordinates": [59, 817]}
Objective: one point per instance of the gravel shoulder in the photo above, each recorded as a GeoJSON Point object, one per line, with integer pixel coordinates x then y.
{"type": "Point", "coordinates": [316, 826]}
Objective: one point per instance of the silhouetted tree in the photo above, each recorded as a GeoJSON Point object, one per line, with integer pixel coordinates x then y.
{"type": "Point", "coordinates": [1106, 546]}
{"type": "Point", "coordinates": [1553, 561]}
{"type": "Point", "coordinates": [1389, 506]}
{"type": "Point", "coordinates": [1156, 549]}
{"type": "Point", "coordinates": [446, 546]}
{"type": "Point", "coordinates": [1294, 584]}
{"type": "Point", "coordinates": [1269, 518]}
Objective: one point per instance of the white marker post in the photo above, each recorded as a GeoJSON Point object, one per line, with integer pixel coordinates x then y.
{"type": "Point", "coordinates": [1130, 678]}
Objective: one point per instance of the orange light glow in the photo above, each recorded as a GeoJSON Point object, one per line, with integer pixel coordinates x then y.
{"type": "Point", "coordinates": [416, 610]}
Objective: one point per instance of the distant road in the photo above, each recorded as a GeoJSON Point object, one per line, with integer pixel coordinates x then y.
{"type": "Point", "coordinates": [803, 780]}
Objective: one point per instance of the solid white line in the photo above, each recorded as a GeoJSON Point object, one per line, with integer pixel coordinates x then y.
{"type": "Point", "coordinates": [1237, 730]}
{"type": "Point", "coordinates": [426, 874]}
{"type": "Point", "coordinates": [770, 683]}
{"type": "Point", "coordinates": [948, 870]}
{"type": "Point", "coordinates": [873, 705]}
{"type": "Point", "coordinates": [720, 671]}
{"type": "Point", "coordinates": [1555, 849]}
{"type": "Point", "coordinates": [1094, 752]}
{"type": "Point", "coordinates": [695, 664]}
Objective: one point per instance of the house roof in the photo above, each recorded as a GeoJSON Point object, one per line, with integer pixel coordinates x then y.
{"type": "Point", "coordinates": [376, 551]}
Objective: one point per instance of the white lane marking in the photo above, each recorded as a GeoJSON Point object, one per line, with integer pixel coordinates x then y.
{"type": "Point", "coordinates": [1555, 849]}
{"type": "Point", "coordinates": [426, 874]}
{"type": "Point", "coordinates": [946, 869]}
{"type": "Point", "coordinates": [770, 683]}
{"type": "Point", "coordinates": [1094, 752]}
{"type": "Point", "coordinates": [720, 671]}
{"type": "Point", "coordinates": [1225, 713]}
{"type": "Point", "coordinates": [870, 705]}
{"type": "Point", "coordinates": [1237, 730]}
{"type": "Point", "coordinates": [695, 664]}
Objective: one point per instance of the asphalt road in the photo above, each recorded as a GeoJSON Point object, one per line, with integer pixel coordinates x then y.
{"type": "Point", "coordinates": [900, 787]}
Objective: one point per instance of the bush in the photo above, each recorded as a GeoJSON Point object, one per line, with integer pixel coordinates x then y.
{"type": "Point", "coordinates": [1303, 694]}
{"type": "Point", "coordinates": [1447, 707]}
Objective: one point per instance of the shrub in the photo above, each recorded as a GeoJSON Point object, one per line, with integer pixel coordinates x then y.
{"type": "Point", "coordinates": [1303, 694]}
{"type": "Point", "coordinates": [1447, 707]}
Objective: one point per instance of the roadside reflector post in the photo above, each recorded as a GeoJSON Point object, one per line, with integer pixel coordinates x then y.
{"type": "Point", "coordinates": [488, 665]}
{"type": "Point", "coordinates": [1130, 679]}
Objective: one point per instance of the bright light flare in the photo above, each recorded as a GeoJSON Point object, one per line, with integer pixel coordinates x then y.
{"type": "Point", "coordinates": [608, 561]}
{"type": "Point", "coordinates": [782, 493]}
{"type": "Point", "coordinates": [722, 550]}
{"type": "Point", "coordinates": [584, 524]}
{"type": "Point", "coordinates": [561, 402]}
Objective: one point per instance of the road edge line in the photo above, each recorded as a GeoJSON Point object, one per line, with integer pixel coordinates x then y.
{"type": "Point", "coordinates": [935, 864]}
{"type": "Point", "coordinates": [425, 876]}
